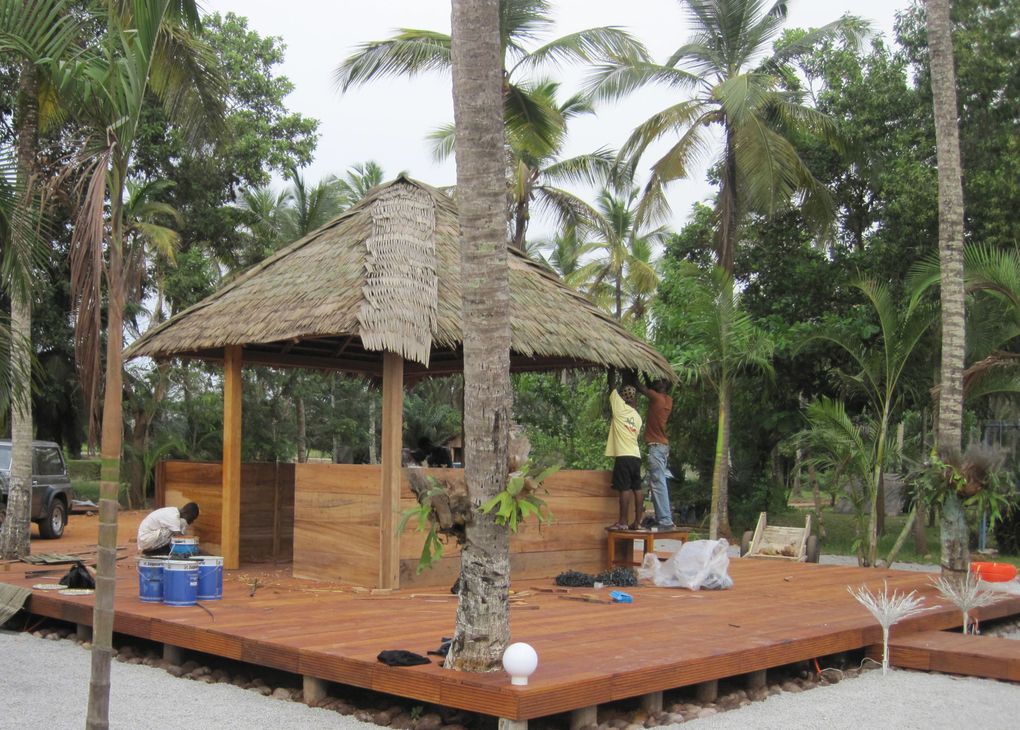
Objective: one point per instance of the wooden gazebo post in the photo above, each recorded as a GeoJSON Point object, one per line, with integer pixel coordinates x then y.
{"type": "Point", "coordinates": [230, 518]}
{"type": "Point", "coordinates": [392, 442]}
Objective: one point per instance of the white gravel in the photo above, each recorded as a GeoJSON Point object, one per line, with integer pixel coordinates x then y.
{"type": "Point", "coordinates": [901, 700]}
{"type": "Point", "coordinates": [44, 684]}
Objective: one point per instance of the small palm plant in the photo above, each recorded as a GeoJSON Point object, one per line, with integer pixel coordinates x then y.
{"type": "Point", "coordinates": [965, 594]}
{"type": "Point", "coordinates": [887, 610]}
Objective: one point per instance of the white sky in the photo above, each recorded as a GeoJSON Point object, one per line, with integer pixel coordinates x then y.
{"type": "Point", "coordinates": [388, 120]}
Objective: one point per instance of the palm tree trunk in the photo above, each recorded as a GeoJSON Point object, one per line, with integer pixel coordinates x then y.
{"type": "Point", "coordinates": [719, 521]}
{"type": "Point", "coordinates": [947, 138]}
{"type": "Point", "coordinates": [15, 532]}
{"type": "Point", "coordinates": [483, 614]}
{"type": "Point", "coordinates": [875, 490]}
{"type": "Point", "coordinates": [817, 494]}
{"type": "Point", "coordinates": [109, 484]}
{"type": "Point", "coordinates": [727, 206]}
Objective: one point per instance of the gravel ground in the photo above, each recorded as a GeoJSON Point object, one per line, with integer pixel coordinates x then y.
{"type": "Point", "coordinates": [44, 684]}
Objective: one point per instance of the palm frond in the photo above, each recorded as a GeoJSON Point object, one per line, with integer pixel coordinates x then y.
{"type": "Point", "coordinates": [586, 46]}
{"type": "Point", "coordinates": [408, 53]}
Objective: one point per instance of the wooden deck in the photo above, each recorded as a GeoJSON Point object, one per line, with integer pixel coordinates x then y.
{"type": "Point", "coordinates": [589, 653]}
{"type": "Point", "coordinates": [953, 653]}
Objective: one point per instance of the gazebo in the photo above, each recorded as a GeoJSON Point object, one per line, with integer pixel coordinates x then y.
{"type": "Point", "coordinates": [377, 291]}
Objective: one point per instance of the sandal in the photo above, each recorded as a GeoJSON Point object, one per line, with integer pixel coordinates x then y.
{"type": "Point", "coordinates": [635, 526]}
{"type": "Point", "coordinates": [618, 526]}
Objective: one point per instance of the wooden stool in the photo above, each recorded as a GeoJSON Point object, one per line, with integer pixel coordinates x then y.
{"type": "Point", "coordinates": [626, 556]}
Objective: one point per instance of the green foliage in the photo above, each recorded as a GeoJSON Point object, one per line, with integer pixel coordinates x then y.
{"type": "Point", "coordinates": [83, 469]}
{"type": "Point", "coordinates": [518, 500]}
{"type": "Point", "coordinates": [565, 417]}
{"type": "Point", "coordinates": [432, 550]}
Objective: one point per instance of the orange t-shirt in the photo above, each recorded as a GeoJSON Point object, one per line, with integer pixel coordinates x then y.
{"type": "Point", "coordinates": [659, 407]}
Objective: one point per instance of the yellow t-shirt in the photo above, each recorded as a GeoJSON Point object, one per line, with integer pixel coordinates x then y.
{"type": "Point", "coordinates": [624, 430]}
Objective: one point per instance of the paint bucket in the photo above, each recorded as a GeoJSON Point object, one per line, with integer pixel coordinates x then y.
{"type": "Point", "coordinates": [150, 579]}
{"type": "Point", "coordinates": [183, 547]}
{"type": "Point", "coordinates": [210, 577]}
{"type": "Point", "coordinates": [180, 583]}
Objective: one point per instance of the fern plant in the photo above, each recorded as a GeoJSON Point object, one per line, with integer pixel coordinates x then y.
{"type": "Point", "coordinates": [518, 500]}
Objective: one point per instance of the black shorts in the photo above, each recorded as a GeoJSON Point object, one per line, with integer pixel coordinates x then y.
{"type": "Point", "coordinates": [627, 473]}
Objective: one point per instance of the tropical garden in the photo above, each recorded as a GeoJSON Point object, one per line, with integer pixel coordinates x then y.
{"type": "Point", "coordinates": [809, 308]}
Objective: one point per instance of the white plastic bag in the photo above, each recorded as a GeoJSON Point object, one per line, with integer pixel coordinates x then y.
{"type": "Point", "coordinates": [697, 564]}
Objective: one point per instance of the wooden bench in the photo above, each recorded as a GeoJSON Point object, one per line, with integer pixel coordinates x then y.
{"type": "Point", "coordinates": [624, 553]}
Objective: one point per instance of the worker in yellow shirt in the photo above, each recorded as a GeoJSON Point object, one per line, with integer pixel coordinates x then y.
{"type": "Point", "coordinates": [622, 445]}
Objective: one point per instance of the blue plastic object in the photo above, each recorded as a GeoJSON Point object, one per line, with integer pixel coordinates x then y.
{"type": "Point", "coordinates": [621, 597]}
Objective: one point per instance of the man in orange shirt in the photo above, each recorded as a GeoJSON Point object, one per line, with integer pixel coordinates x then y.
{"type": "Point", "coordinates": [660, 404]}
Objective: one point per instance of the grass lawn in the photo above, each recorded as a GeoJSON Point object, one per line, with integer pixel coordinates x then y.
{"type": "Point", "coordinates": [839, 537]}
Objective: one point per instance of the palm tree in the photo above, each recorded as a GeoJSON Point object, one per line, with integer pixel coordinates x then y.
{"type": "Point", "coordinates": [879, 375]}
{"type": "Point", "coordinates": [150, 247]}
{"type": "Point", "coordinates": [483, 611]}
{"type": "Point", "coordinates": [955, 554]}
{"type": "Point", "coordinates": [624, 252]}
{"type": "Point", "coordinates": [738, 83]}
{"type": "Point", "coordinates": [721, 342]}
{"type": "Point", "coordinates": [535, 124]}
{"type": "Point", "coordinates": [535, 170]}
{"type": "Point", "coordinates": [36, 34]}
{"type": "Point", "coordinates": [357, 182]}
{"type": "Point", "coordinates": [148, 51]}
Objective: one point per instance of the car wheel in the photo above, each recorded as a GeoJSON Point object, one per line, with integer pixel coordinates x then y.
{"type": "Point", "coordinates": [52, 526]}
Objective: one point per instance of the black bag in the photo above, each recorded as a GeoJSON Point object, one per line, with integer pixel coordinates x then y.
{"type": "Point", "coordinates": [78, 577]}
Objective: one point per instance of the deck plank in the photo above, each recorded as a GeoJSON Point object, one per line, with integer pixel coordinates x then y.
{"type": "Point", "coordinates": [953, 653]}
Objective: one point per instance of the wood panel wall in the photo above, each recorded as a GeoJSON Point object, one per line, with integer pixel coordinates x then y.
{"type": "Point", "coordinates": [326, 518]}
{"type": "Point", "coordinates": [267, 505]}
{"type": "Point", "coordinates": [337, 534]}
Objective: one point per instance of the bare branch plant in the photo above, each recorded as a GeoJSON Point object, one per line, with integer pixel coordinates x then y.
{"type": "Point", "coordinates": [965, 594]}
{"type": "Point", "coordinates": [887, 610]}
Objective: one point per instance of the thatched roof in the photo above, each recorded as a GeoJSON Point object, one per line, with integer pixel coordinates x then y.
{"type": "Point", "coordinates": [385, 275]}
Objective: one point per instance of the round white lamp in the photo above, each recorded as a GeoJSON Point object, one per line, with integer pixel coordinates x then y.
{"type": "Point", "coordinates": [520, 662]}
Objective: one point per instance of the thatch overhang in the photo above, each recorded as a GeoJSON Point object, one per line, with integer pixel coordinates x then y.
{"type": "Point", "coordinates": [385, 276]}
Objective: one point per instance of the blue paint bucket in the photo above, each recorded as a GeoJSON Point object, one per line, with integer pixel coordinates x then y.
{"type": "Point", "coordinates": [210, 577]}
{"type": "Point", "coordinates": [183, 547]}
{"type": "Point", "coordinates": [150, 579]}
{"type": "Point", "coordinates": [180, 583]}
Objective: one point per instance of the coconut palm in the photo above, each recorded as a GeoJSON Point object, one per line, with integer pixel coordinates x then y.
{"type": "Point", "coordinates": [36, 35]}
{"type": "Point", "coordinates": [535, 170]}
{"type": "Point", "coordinates": [623, 251]}
{"type": "Point", "coordinates": [483, 611]}
{"type": "Point", "coordinates": [534, 123]}
{"type": "Point", "coordinates": [148, 52]}
{"type": "Point", "coordinates": [737, 80]}
{"type": "Point", "coordinates": [955, 553]}
{"type": "Point", "coordinates": [358, 181]}
{"type": "Point", "coordinates": [721, 342]}
{"type": "Point", "coordinates": [992, 283]}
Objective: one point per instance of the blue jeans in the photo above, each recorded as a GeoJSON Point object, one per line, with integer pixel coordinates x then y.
{"type": "Point", "coordinates": [658, 456]}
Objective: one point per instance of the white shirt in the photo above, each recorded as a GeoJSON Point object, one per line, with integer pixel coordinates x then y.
{"type": "Point", "coordinates": [157, 527]}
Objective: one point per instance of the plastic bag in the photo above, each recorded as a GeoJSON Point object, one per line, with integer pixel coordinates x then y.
{"type": "Point", "coordinates": [697, 564]}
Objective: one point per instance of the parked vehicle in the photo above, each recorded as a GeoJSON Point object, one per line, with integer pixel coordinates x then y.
{"type": "Point", "coordinates": [52, 493]}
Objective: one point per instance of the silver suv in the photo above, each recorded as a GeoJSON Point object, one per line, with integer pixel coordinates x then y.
{"type": "Point", "coordinates": [52, 493]}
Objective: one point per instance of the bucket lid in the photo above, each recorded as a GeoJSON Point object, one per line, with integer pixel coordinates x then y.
{"type": "Point", "coordinates": [207, 559]}
{"type": "Point", "coordinates": [180, 565]}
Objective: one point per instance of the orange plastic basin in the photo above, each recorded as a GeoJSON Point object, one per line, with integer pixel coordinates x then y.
{"type": "Point", "coordinates": [994, 572]}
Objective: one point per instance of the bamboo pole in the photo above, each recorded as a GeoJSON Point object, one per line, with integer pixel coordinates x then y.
{"type": "Point", "coordinates": [392, 442]}
{"type": "Point", "coordinates": [230, 524]}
